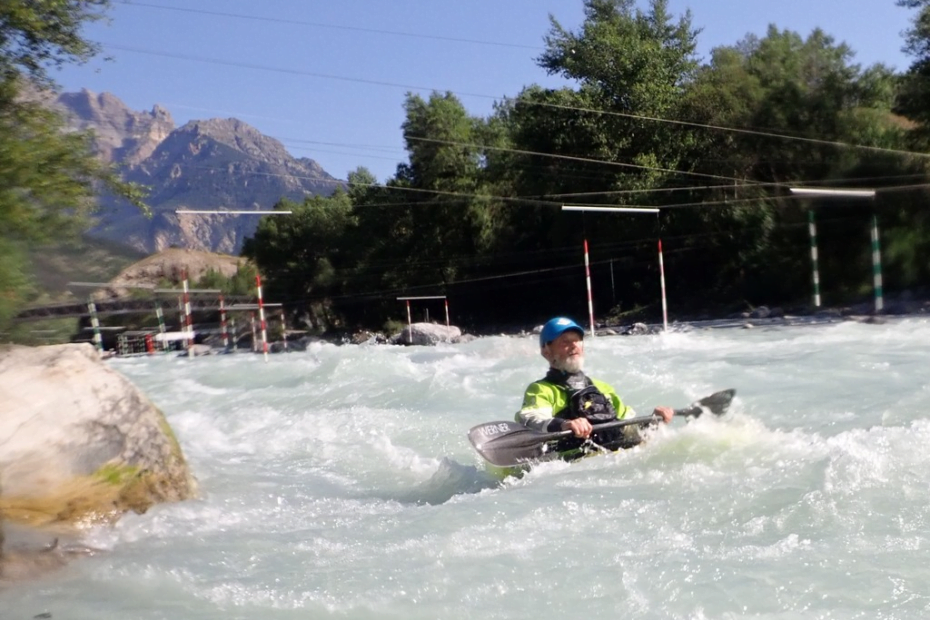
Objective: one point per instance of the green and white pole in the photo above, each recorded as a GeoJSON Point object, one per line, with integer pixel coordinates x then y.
{"type": "Point", "coordinates": [828, 192]}
{"type": "Point", "coordinates": [877, 267]}
{"type": "Point", "coordinates": [95, 323]}
{"type": "Point", "coordinates": [812, 228]}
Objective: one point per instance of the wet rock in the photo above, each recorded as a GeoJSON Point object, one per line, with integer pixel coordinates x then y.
{"type": "Point", "coordinates": [81, 444]}
{"type": "Point", "coordinates": [636, 329]}
{"type": "Point", "coordinates": [32, 553]}
{"type": "Point", "coordinates": [197, 350]}
{"type": "Point", "coordinates": [427, 334]}
{"type": "Point", "coordinates": [368, 337]}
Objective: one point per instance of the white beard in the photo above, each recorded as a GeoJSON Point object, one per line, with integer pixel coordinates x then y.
{"type": "Point", "coordinates": [570, 365]}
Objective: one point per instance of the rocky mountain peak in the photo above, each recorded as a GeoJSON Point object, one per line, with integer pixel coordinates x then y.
{"type": "Point", "coordinates": [237, 135]}
{"type": "Point", "coordinates": [120, 134]}
{"type": "Point", "coordinates": [213, 164]}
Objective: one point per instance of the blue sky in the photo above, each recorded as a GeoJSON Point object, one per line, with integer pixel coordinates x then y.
{"type": "Point", "coordinates": [328, 78]}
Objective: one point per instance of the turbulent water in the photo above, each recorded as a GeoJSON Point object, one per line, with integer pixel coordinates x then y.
{"type": "Point", "coordinates": [339, 483]}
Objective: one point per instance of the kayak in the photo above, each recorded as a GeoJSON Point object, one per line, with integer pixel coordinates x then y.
{"type": "Point", "coordinates": [587, 450]}
{"type": "Point", "coordinates": [510, 448]}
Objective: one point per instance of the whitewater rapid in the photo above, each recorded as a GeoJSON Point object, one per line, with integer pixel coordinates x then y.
{"type": "Point", "coordinates": [339, 483]}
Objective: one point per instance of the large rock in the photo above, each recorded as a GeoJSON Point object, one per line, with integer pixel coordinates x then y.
{"type": "Point", "coordinates": [78, 442]}
{"type": "Point", "coordinates": [427, 334]}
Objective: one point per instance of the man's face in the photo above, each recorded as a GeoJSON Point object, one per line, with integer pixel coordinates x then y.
{"type": "Point", "coordinates": [566, 352]}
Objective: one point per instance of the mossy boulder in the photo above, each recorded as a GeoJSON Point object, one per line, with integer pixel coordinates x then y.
{"type": "Point", "coordinates": [79, 443]}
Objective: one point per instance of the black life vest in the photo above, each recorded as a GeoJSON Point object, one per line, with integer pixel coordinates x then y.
{"type": "Point", "coordinates": [585, 401]}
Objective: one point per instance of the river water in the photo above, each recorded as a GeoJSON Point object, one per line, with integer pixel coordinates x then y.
{"type": "Point", "coordinates": [338, 483]}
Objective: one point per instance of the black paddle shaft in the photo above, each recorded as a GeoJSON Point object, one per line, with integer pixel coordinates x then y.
{"type": "Point", "coordinates": [505, 443]}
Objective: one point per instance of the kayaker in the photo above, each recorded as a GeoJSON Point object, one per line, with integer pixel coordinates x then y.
{"type": "Point", "coordinates": [567, 399]}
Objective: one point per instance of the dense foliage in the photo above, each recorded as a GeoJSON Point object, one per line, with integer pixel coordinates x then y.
{"type": "Point", "coordinates": [241, 283]}
{"type": "Point", "coordinates": [49, 179]}
{"type": "Point", "coordinates": [475, 213]}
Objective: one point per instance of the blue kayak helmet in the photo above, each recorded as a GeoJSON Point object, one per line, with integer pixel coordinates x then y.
{"type": "Point", "coordinates": [556, 327]}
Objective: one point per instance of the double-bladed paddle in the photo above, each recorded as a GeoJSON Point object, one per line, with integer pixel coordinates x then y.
{"type": "Point", "coordinates": [509, 443]}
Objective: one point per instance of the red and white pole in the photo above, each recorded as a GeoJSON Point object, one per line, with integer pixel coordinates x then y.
{"type": "Point", "coordinates": [95, 323]}
{"type": "Point", "coordinates": [261, 316]}
{"type": "Point", "coordinates": [189, 326]}
{"type": "Point", "coordinates": [409, 321]}
{"type": "Point", "coordinates": [447, 312]}
{"type": "Point", "coordinates": [284, 329]}
{"type": "Point", "coordinates": [662, 280]}
{"type": "Point", "coordinates": [223, 328]}
{"type": "Point", "coordinates": [254, 337]}
{"type": "Point", "coordinates": [587, 270]}
{"type": "Point", "coordinates": [161, 328]}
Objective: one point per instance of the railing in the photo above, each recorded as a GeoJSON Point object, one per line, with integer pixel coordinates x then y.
{"type": "Point", "coordinates": [125, 306]}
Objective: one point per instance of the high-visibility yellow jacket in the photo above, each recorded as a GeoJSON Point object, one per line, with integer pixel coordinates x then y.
{"type": "Point", "coordinates": [544, 400]}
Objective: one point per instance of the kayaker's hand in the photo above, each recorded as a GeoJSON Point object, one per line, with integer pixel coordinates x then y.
{"type": "Point", "coordinates": [579, 426]}
{"type": "Point", "coordinates": [666, 413]}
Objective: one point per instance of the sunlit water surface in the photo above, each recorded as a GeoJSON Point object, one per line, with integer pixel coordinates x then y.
{"type": "Point", "coordinates": [339, 483]}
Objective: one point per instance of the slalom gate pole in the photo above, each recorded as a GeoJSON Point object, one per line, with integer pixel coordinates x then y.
{"type": "Point", "coordinates": [95, 323]}
{"type": "Point", "coordinates": [161, 327]}
{"type": "Point", "coordinates": [587, 270]}
{"type": "Point", "coordinates": [877, 267]}
{"type": "Point", "coordinates": [613, 289]}
{"type": "Point", "coordinates": [254, 337]}
{"type": "Point", "coordinates": [223, 328]}
{"type": "Point", "coordinates": [812, 230]}
{"type": "Point", "coordinates": [662, 281]}
{"type": "Point", "coordinates": [447, 312]}
{"type": "Point", "coordinates": [284, 329]}
{"type": "Point", "coordinates": [261, 316]}
{"type": "Point", "coordinates": [409, 321]}
{"type": "Point", "coordinates": [188, 326]}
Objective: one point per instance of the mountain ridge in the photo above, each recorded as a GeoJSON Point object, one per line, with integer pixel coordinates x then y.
{"type": "Point", "coordinates": [121, 135]}
{"type": "Point", "coordinates": [210, 164]}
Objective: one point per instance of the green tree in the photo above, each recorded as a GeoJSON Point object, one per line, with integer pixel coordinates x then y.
{"type": "Point", "coordinates": [427, 227]}
{"type": "Point", "coordinates": [909, 231]}
{"type": "Point", "coordinates": [632, 66]}
{"type": "Point", "coordinates": [240, 283]}
{"type": "Point", "coordinates": [475, 211]}
{"type": "Point", "coordinates": [302, 256]}
{"type": "Point", "coordinates": [445, 170]}
{"type": "Point", "coordinates": [914, 97]}
{"type": "Point", "coordinates": [801, 110]}
{"type": "Point", "coordinates": [36, 36]}
{"type": "Point", "coordinates": [49, 179]}
{"type": "Point", "coordinates": [596, 141]}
